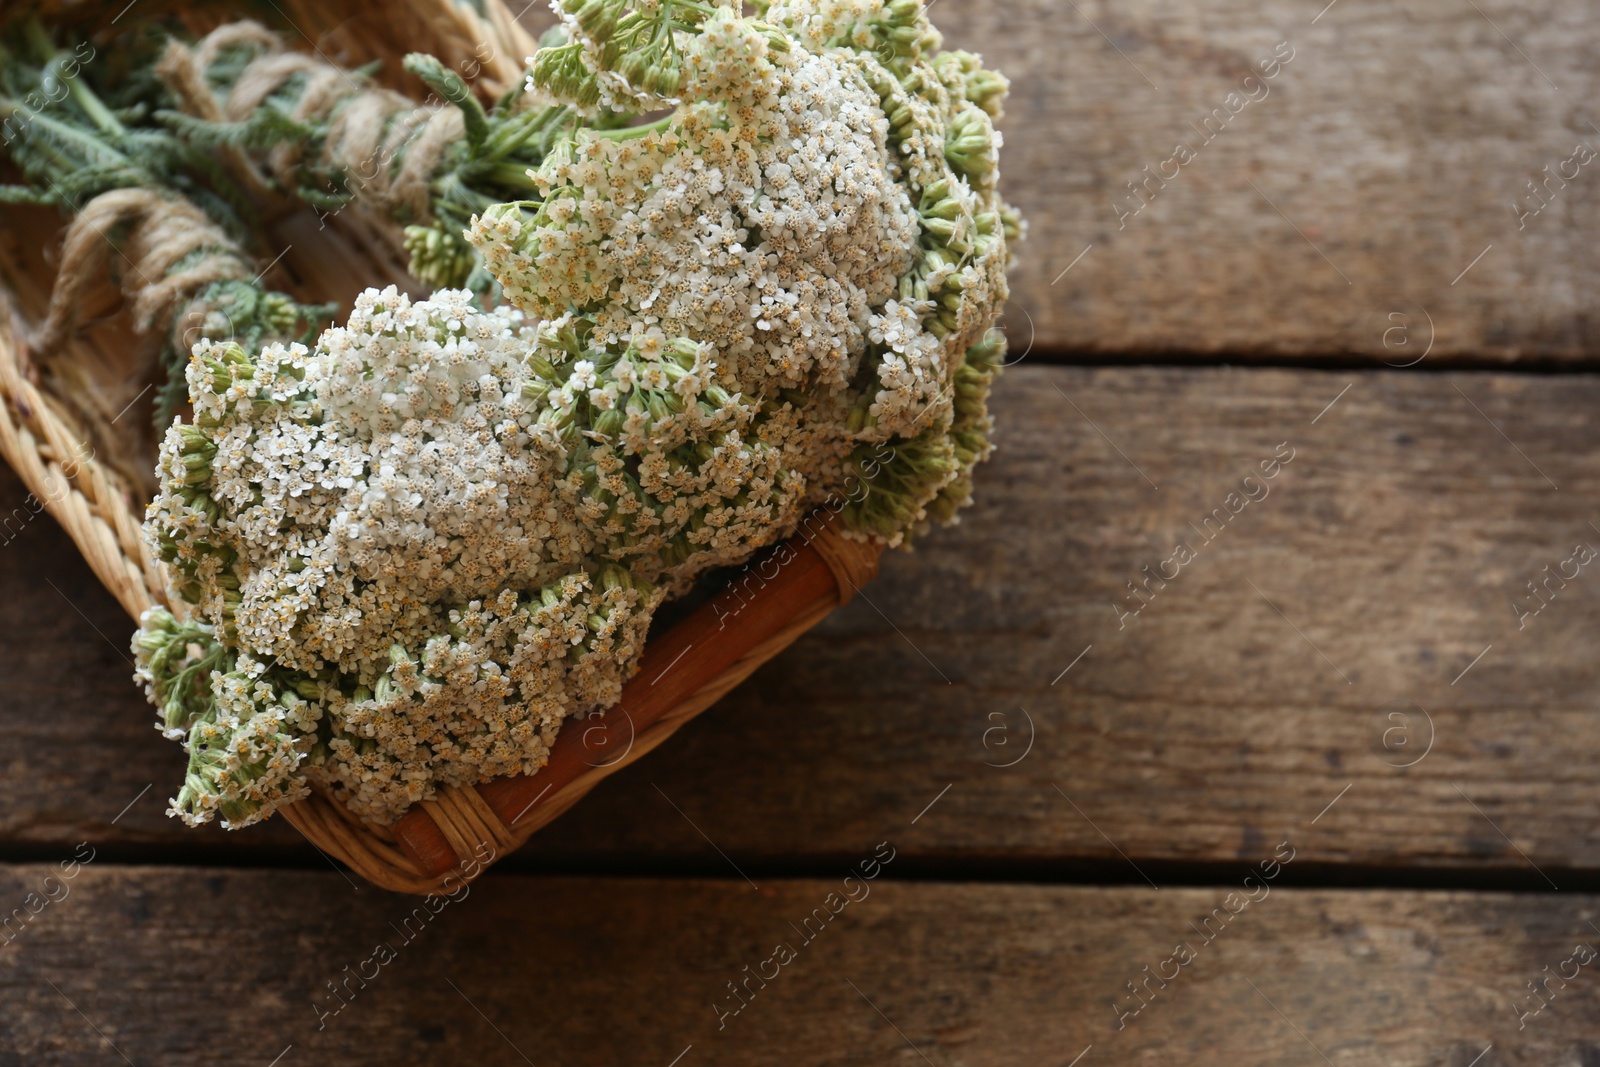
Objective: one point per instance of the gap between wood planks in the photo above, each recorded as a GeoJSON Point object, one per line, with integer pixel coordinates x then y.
{"type": "Point", "coordinates": [1002, 870]}
{"type": "Point", "coordinates": [1195, 359]}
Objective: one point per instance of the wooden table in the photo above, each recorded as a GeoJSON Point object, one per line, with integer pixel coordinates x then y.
{"type": "Point", "coordinates": [1323, 789]}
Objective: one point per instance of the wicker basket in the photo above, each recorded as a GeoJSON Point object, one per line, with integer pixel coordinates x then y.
{"type": "Point", "coordinates": [75, 427]}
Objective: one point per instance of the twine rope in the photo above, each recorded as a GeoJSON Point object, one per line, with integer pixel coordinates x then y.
{"type": "Point", "coordinates": [162, 232]}
{"type": "Point", "coordinates": [387, 143]}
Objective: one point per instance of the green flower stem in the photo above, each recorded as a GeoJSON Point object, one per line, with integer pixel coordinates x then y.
{"type": "Point", "coordinates": [448, 84]}
{"type": "Point", "coordinates": [82, 95]}
{"type": "Point", "coordinates": [628, 133]}
{"type": "Point", "coordinates": [510, 175]}
{"type": "Point", "coordinates": [516, 131]}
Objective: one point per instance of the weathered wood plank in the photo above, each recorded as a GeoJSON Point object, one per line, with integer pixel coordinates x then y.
{"type": "Point", "coordinates": [203, 966]}
{"type": "Point", "coordinates": [1382, 157]}
{"type": "Point", "coordinates": [1394, 542]}
{"type": "Point", "coordinates": [1385, 156]}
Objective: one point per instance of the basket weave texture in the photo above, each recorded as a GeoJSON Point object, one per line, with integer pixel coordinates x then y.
{"type": "Point", "coordinates": [74, 425]}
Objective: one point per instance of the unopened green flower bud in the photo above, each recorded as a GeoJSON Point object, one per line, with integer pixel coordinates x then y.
{"type": "Point", "coordinates": [685, 352]}
{"type": "Point", "coordinates": [560, 70]}
{"type": "Point", "coordinates": [1011, 221]}
{"type": "Point", "coordinates": [665, 78]}
{"type": "Point", "coordinates": [987, 89]}
{"type": "Point", "coordinates": [635, 66]}
{"type": "Point", "coordinates": [904, 11]}
{"type": "Point", "coordinates": [194, 440]}
{"type": "Point", "coordinates": [597, 18]}
{"type": "Point", "coordinates": [438, 257]}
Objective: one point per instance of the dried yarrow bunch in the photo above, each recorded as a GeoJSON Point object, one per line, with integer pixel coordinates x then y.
{"type": "Point", "coordinates": [407, 552]}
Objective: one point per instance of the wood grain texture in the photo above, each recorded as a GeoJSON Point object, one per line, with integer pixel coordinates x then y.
{"type": "Point", "coordinates": [196, 966]}
{"type": "Point", "coordinates": [1385, 157]}
{"type": "Point", "coordinates": [1393, 544]}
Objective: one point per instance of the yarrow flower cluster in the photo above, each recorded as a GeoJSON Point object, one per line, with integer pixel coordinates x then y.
{"type": "Point", "coordinates": [821, 207]}
{"type": "Point", "coordinates": [407, 553]}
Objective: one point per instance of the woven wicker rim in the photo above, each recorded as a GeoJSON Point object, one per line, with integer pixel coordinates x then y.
{"type": "Point", "coordinates": [42, 443]}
